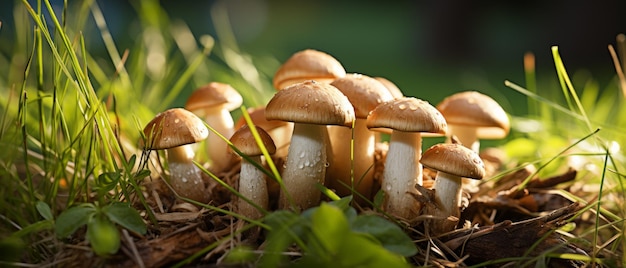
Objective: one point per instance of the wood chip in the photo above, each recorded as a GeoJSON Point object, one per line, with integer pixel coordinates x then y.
{"type": "Point", "coordinates": [177, 216]}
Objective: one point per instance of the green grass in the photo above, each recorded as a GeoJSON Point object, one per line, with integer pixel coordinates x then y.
{"type": "Point", "coordinates": [600, 113]}
{"type": "Point", "coordinates": [71, 121]}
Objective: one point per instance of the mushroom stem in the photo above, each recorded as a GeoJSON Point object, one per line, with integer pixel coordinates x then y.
{"type": "Point", "coordinates": [467, 135]}
{"type": "Point", "coordinates": [180, 154]}
{"type": "Point", "coordinates": [305, 166]}
{"type": "Point", "coordinates": [363, 155]}
{"type": "Point", "coordinates": [185, 176]}
{"type": "Point", "coordinates": [222, 122]}
{"type": "Point", "coordinates": [402, 171]}
{"type": "Point", "coordinates": [448, 193]}
{"type": "Point", "coordinates": [253, 186]}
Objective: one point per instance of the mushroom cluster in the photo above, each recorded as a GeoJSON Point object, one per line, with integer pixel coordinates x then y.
{"type": "Point", "coordinates": [327, 126]}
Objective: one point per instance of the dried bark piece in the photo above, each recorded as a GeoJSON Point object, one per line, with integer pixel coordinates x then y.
{"type": "Point", "coordinates": [516, 239]}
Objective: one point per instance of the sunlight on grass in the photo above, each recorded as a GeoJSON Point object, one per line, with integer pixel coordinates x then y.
{"type": "Point", "coordinates": [602, 174]}
{"type": "Point", "coordinates": [70, 127]}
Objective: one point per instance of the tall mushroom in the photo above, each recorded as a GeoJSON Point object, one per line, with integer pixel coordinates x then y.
{"type": "Point", "coordinates": [472, 115]}
{"type": "Point", "coordinates": [304, 65]}
{"type": "Point", "coordinates": [365, 93]}
{"type": "Point", "coordinates": [310, 106]}
{"type": "Point", "coordinates": [453, 162]}
{"type": "Point", "coordinates": [252, 183]}
{"type": "Point", "coordinates": [213, 102]}
{"type": "Point", "coordinates": [174, 130]}
{"type": "Point", "coordinates": [407, 117]}
{"type": "Point", "coordinates": [308, 64]}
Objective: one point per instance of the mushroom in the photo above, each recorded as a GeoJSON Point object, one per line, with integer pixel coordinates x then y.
{"type": "Point", "coordinates": [280, 131]}
{"type": "Point", "coordinates": [175, 130]}
{"type": "Point", "coordinates": [393, 89]}
{"type": "Point", "coordinates": [310, 106]}
{"type": "Point", "coordinates": [365, 93]}
{"type": "Point", "coordinates": [213, 102]}
{"type": "Point", "coordinates": [252, 184]}
{"type": "Point", "coordinates": [453, 162]}
{"type": "Point", "coordinates": [472, 115]}
{"type": "Point", "coordinates": [407, 117]}
{"type": "Point", "coordinates": [306, 65]}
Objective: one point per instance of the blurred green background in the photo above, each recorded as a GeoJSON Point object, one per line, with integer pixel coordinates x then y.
{"type": "Point", "coordinates": [430, 49]}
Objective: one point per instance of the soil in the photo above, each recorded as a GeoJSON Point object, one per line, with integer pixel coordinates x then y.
{"type": "Point", "coordinates": [499, 221]}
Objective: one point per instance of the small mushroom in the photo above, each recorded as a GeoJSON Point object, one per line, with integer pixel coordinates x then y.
{"type": "Point", "coordinates": [407, 117]}
{"type": "Point", "coordinates": [213, 102]}
{"type": "Point", "coordinates": [306, 65]}
{"type": "Point", "coordinates": [175, 130]}
{"type": "Point", "coordinates": [453, 162]}
{"type": "Point", "coordinates": [472, 115]}
{"type": "Point", "coordinates": [280, 131]}
{"type": "Point", "coordinates": [365, 93]}
{"type": "Point", "coordinates": [310, 106]}
{"type": "Point", "coordinates": [252, 183]}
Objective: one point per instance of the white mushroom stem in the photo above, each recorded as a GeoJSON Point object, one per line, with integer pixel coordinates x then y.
{"type": "Point", "coordinates": [402, 172]}
{"type": "Point", "coordinates": [185, 176]}
{"type": "Point", "coordinates": [448, 193]}
{"type": "Point", "coordinates": [467, 136]}
{"type": "Point", "coordinates": [252, 185]}
{"type": "Point", "coordinates": [222, 122]}
{"type": "Point", "coordinates": [305, 166]}
{"type": "Point", "coordinates": [364, 146]}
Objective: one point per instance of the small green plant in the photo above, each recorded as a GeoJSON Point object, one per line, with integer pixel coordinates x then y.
{"type": "Point", "coordinates": [102, 233]}
{"type": "Point", "coordinates": [332, 234]}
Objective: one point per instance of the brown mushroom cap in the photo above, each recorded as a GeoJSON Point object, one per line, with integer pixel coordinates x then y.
{"type": "Point", "coordinates": [393, 89]}
{"type": "Point", "coordinates": [310, 102]}
{"type": "Point", "coordinates": [308, 64]}
{"type": "Point", "coordinates": [474, 109]}
{"type": "Point", "coordinates": [212, 95]}
{"type": "Point", "coordinates": [174, 127]}
{"type": "Point", "coordinates": [454, 159]}
{"type": "Point", "coordinates": [407, 114]}
{"type": "Point", "coordinates": [257, 115]}
{"type": "Point", "coordinates": [364, 92]}
{"type": "Point", "coordinates": [245, 142]}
